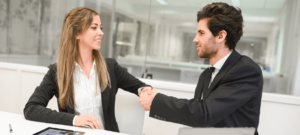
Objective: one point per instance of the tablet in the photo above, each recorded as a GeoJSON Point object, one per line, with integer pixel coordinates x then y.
{"type": "Point", "coordinates": [57, 131]}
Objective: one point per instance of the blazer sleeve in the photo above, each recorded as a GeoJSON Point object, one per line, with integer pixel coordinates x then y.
{"type": "Point", "coordinates": [35, 109]}
{"type": "Point", "coordinates": [127, 81]}
{"type": "Point", "coordinates": [237, 88]}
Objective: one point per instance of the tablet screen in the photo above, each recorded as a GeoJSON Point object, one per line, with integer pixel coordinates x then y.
{"type": "Point", "coordinates": [56, 131]}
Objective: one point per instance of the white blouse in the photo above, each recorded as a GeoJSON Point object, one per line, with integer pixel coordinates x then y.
{"type": "Point", "coordinates": [87, 102]}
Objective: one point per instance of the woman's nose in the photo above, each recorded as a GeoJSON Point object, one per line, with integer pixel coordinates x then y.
{"type": "Point", "coordinates": [101, 33]}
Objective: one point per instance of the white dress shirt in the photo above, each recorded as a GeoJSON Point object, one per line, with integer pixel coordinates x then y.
{"type": "Point", "coordinates": [217, 67]}
{"type": "Point", "coordinates": [85, 94]}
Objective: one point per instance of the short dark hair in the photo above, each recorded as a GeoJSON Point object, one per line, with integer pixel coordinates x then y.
{"type": "Point", "coordinates": [223, 17]}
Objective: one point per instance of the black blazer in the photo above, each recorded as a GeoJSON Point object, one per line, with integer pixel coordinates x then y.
{"type": "Point", "coordinates": [233, 100]}
{"type": "Point", "coordinates": [36, 110]}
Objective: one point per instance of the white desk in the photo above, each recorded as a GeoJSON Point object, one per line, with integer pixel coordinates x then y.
{"type": "Point", "coordinates": [21, 126]}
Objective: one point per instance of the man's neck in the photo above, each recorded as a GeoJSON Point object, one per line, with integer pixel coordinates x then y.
{"type": "Point", "coordinates": [220, 54]}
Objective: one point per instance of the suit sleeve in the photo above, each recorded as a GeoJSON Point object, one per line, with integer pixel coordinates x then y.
{"type": "Point", "coordinates": [127, 81]}
{"type": "Point", "coordinates": [35, 109]}
{"type": "Point", "coordinates": [237, 88]}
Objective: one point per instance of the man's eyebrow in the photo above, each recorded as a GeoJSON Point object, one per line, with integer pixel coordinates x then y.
{"type": "Point", "coordinates": [201, 31]}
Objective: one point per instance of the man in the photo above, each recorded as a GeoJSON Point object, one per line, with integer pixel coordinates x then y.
{"type": "Point", "coordinates": [228, 94]}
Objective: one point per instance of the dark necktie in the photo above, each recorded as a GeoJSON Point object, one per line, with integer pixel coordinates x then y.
{"type": "Point", "coordinates": [207, 81]}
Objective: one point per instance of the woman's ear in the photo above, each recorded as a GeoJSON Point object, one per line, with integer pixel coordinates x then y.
{"type": "Point", "coordinates": [77, 36]}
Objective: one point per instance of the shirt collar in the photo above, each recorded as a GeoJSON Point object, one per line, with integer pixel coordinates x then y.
{"type": "Point", "coordinates": [77, 65]}
{"type": "Point", "coordinates": [221, 62]}
{"type": "Point", "coordinates": [94, 63]}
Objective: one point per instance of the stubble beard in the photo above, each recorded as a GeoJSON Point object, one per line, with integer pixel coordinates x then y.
{"type": "Point", "coordinates": [209, 52]}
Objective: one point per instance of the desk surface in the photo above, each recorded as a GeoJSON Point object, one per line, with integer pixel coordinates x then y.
{"type": "Point", "coordinates": [21, 126]}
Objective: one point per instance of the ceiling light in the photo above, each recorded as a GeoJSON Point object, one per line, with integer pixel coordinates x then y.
{"type": "Point", "coordinates": [235, 3]}
{"type": "Point", "coordinates": [162, 2]}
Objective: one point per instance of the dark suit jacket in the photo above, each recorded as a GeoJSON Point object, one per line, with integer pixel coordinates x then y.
{"type": "Point", "coordinates": [36, 110]}
{"type": "Point", "coordinates": [233, 100]}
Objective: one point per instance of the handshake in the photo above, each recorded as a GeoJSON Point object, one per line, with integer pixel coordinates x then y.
{"type": "Point", "coordinates": [146, 97]}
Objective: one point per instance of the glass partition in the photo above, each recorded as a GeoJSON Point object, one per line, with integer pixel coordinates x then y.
{"type": "Point", "coordinates": [172, 55]}
{"type": "Point", "coordinates": [131, 35]}
{"type": "Point", "coordinates": [153, 36]}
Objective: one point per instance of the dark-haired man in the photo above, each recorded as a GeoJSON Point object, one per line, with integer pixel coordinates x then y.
{"type": "Point", "coordinates": [228, 93]}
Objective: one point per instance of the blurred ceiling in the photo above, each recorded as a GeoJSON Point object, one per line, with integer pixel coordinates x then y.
{"type": "Point", "coordinates": [259, 15]}
{"type": "Point", "coordinates": [184, 9]}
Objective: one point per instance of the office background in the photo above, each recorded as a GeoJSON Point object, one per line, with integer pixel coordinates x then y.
{"type": "Point", "coordinates": [157, 36]}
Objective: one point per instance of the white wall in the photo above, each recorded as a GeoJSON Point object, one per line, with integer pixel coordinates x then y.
{"type": "Point", "coordinates": [279, 113]}
{"type": "Point", "coordinates": [290, 63]}
{"type": "Point", "coordinates": [17, 83]}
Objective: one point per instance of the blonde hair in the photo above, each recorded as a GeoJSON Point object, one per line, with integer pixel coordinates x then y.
{"type": "Point", "coordinates": [76, 21]}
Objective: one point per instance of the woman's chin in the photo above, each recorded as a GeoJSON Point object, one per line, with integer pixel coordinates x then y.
{"type": "Point", "coordinates": [98, 47]}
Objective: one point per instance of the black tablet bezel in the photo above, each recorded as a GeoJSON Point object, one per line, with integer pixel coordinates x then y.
{"type": "Point", "coordinates": [52, 128]}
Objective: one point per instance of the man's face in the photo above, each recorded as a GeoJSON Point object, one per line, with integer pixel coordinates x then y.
{"type": "Point", "coordinates": [205, 41]}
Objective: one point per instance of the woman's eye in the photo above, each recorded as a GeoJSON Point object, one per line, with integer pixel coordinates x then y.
{"type": "Point", "coordinates": [101, 28]}
{"type": "Point", "coordinates": [94, 27]}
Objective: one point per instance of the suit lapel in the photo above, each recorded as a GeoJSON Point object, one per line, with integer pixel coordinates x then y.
{"type": "Point", "coordinates": [231, 60]}
{"type": "Point", "coordinates": [70, 110]}
{"type": "Point", "coordinates": [105, 98]}
{"type": "Point", "coordinates": [199, 88]}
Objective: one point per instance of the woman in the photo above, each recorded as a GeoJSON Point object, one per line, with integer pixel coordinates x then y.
{"type": "Point", "coordinates": [84, 83]}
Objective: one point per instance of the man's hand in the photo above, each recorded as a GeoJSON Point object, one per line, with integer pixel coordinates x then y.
{"type": "Point", "coordinates": [89, 120]}
{"type": "Point", "coordinates": [146, 98]}
{"type": "Point", "coordinates": [146, 89]}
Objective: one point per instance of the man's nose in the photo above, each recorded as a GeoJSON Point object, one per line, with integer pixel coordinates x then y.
{"type": "Point", "coordinates": [195, 40]}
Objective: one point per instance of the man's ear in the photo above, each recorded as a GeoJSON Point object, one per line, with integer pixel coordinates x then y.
{"type": "Point", "coordinates": [222, 36]}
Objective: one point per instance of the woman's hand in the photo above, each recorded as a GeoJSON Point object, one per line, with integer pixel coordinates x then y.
{"type": "Point", "coordinates": [89, 120]}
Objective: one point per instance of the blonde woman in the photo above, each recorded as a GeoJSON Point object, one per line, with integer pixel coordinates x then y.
{"type": "Point", "coordinates": [84, 82]}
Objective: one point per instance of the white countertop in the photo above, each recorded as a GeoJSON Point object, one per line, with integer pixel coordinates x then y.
{"type": "Point", "coordinates": [21, 126]}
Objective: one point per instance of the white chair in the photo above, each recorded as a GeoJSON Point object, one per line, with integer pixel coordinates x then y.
{"type": "Point", "coordinates": [129, 113]}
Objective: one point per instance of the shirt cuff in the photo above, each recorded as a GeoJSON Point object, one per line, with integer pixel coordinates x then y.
{"type": "Point", "coordinates": [74, 120]}
{"type": "Point", "coordinates": [139, 90]}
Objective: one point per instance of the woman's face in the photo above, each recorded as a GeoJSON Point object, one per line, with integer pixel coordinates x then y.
{"type": "Point", "coordinates": [91, 37]}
